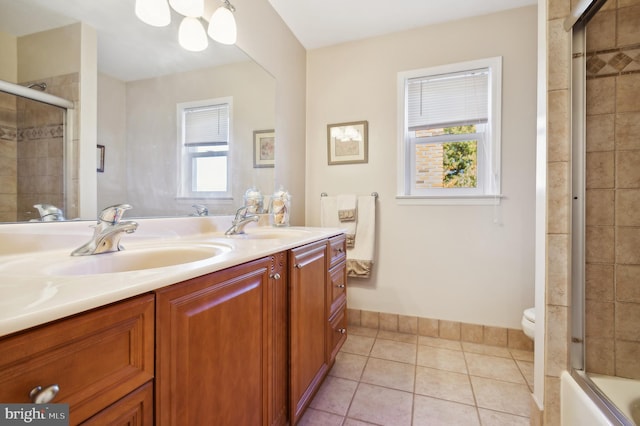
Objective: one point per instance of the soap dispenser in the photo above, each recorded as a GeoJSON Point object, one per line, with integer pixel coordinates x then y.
{"type": "Point", "coordinates": [280, 207]}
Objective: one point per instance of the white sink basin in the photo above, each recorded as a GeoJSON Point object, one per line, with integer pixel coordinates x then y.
{"type": "Point", "coordinates": [130, 259]}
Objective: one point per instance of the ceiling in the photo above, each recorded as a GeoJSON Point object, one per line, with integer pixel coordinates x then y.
{"type": "Point", "coordinates": [328, 22]}
{"type": "Point", "coordinates": [128, 49]}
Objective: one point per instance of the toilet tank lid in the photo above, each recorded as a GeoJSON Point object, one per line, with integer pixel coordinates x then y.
{"type": "Point", "coordinates": [530, 314]}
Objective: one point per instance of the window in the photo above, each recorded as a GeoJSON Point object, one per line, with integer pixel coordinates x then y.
{"type": "Point", "coordinates": [204, 141]}
{"type": "Point", "coordinates": [449, 146]}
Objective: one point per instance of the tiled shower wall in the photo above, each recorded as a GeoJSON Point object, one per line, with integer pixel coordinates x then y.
{"type": "Point", "coordinates": [558, 251]}
{"type": "Point", "coordinates": [612, 291]}
{"type": "Point", "coordinates": [40, 157]}
{"type": "Point", "coordinates": [8, 158]}
{"type": "Point", "coordinates": [32, 153]}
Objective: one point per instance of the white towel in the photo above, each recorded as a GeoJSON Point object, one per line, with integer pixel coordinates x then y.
{"type": "Point", "coordinates": [360, 257]}
{"type": "Point", "coordinates": [347, 215]}
{"type": "Point", "coordinates": [329, 212]}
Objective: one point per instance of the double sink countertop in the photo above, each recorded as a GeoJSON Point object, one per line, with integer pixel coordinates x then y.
{"type": "Point", "coordinates": [41, 282]}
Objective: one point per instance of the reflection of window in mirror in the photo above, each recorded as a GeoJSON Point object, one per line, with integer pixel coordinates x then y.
{"type": "Point", "coordinates": [204, 141]}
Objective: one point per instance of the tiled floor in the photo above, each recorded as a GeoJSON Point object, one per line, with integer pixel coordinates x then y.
{"type": "Point", "coordinates": [386, 378]}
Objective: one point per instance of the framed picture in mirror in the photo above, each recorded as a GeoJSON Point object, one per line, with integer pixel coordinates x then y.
{"type": "Point", "coordinates": [347, 143]}
{"type": "Point", "coordinates": [264, 144]}
{"type": "Point", "coordinates": [100, 158]}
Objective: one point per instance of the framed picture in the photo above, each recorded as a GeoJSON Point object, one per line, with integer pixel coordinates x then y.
{"type": "Point", "coordinates": [347, 143]}
{"type": "Point", "coordinates": [100, 158]}
{"type": "Point", "coordinates": [264, 145]}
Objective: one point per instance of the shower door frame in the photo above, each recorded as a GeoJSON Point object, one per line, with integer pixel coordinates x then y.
{"type": "Point", "coordinates": [69, 155]}
{"type": "Point", "coordinates": [578, 195]}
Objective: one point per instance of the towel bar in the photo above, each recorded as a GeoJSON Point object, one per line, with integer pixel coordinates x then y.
{"type": "Point", "coordinates": [373, 194]}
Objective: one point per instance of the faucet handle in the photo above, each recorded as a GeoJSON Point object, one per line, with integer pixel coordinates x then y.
{"type": "Point", "coordinates": [241, 213]}
{"type": "Point", "coordinates": [113, 214]}
{"type": "Point", "coordinates": [49, 212]}
{"type": "Point", "coordinates": [201, 210]}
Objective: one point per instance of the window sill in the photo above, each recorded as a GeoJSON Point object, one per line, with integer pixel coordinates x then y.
{"type": "Point", "coordinates": [451, 200]}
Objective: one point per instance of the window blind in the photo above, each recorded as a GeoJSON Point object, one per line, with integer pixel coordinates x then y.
{"type": "Point", "coordinates": [448, 100]}
{"type": "Point", "coordinates": [206, 125]}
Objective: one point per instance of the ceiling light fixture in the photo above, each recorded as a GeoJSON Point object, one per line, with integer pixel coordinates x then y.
{"type": "Point", "coordinates": [191, 34]}
{"type": "Point", "coordinates": [191, 8]}
{"type": "Point", "coordinates": [222, 25]}
{"type": "Point", "coordinates": [153, 12]}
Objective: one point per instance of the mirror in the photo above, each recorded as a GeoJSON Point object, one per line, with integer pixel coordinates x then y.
{"type": "Point", "coordinates": [138, 77]}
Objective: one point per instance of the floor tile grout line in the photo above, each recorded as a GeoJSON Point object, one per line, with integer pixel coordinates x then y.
{"type": "Point", "coordinates": [473, 393]}
{"type": "Point", "coordinates": [369, 355]}
{"type": "Point", "coordinates": [415, 381]}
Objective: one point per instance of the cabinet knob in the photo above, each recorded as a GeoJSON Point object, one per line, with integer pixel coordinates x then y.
{"type": "Point", "coordinates": [340, 285]}
{"type": "Point", "coordinates": [340, 250]}
{"type": "Point", "coordinates": [298, 266]}
{"type": "Point", "coordinates": [41, 395]}
{"type": "Point", "coordinates": [275, 276]}
{"type": "Point", "coordinates": [342, 330]}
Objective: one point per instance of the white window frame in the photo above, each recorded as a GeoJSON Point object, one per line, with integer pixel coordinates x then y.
{"type": "Point", "coordinates": [489, 167]}
{"type": "Point", "coordinates": [185, 172]}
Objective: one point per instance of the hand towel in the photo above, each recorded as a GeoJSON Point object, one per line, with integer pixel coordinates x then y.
{"type": "Point", "coordinates": [329, 212]}
{"type": "Point", "coordinates": [346, 207]}
{"type": "Point", "coordinates": [347, 215]}
{"type": "Point", "coordinates": [360, 257]}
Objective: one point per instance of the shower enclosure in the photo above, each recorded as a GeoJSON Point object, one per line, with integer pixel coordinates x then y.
{"type": "Point", "coordinates": [34, 152]}
{"type": "Point", "coordinates": [606, 208]}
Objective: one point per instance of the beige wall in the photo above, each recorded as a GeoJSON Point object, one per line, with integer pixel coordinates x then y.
{"type": "Point", "coordinates": [49, 53]}
{"type": "Point", "coordinates": [264, 37]}
{"type": "Point", "coordinates": [9, 62]}
{"type": "Point", "coordinates": [421, 268]}
{"type": "Point", "coordinates": [112, 133]}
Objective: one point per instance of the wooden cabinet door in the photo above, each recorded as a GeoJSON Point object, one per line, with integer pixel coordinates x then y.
{"type": "Point", "coordinates": [307, 324]}
{"type": "Point", "coordinates": [279, 341]}
{"type": "Point", "coordinates": [95, 358]}
{"type": "Point", "coordinates": [135, 409]}
{"type": "Point", "coordinates": [212, 348]}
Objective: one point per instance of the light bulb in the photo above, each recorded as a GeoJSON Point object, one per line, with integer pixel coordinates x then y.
{"type": "Point", "coordinates": [192, 8]}
{"type": "Point", "coordinates": [153, 12]}
{"type": "Point", "coordinates": [191, 35]}
{"type": "Point", "coordinates": [222, 26]}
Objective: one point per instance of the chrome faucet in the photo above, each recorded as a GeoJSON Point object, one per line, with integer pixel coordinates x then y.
{"type": "Point", "coordinates": [240, 221]}
{"type": "Point", "coordinates": [201, 210]}
{"type": "Point", "coordinates": [49, 212]}
{"type": "Point", "coordinates": [107, 232]}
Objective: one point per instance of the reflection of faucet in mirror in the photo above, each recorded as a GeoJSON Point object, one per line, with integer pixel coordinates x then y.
{"type": "Point", "coordinates": [240, 221]}
{"type": "Point", "coordinates": [201, 210]}
{"type": "Point", "coordinates": [49, 212]}
{"type": "Point", "coordinates": [107, 232]}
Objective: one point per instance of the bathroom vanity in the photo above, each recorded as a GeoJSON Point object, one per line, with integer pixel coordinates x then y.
{"type": "Point", "coordinates": [245, 336]}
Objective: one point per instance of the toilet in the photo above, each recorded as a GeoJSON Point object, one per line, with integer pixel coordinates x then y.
{"type": "Point", "coordinates": [529, 322]}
